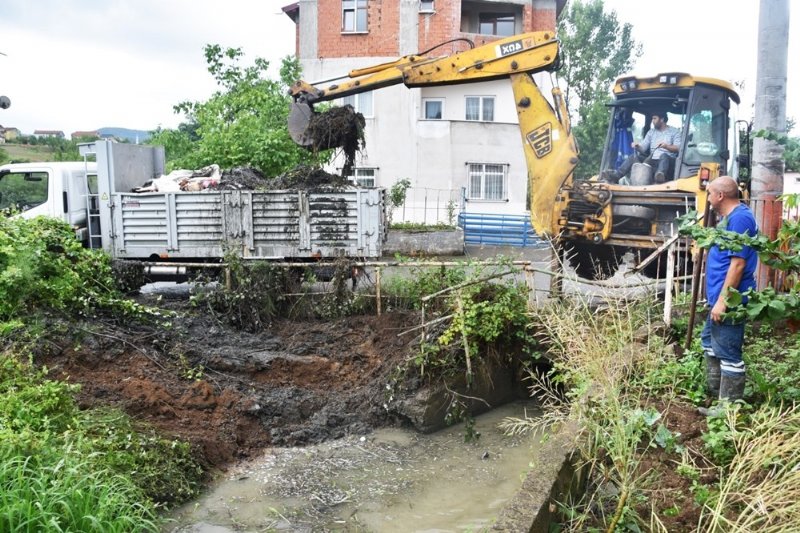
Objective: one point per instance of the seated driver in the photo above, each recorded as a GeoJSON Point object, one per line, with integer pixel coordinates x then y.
{"type": "Point", "coordinates": [659, 148]}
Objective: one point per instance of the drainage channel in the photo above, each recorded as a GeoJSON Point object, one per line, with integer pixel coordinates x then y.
{"type": "Point", "coordinates": [392, 480]}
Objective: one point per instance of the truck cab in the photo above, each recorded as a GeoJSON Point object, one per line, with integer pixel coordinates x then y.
{"type": "Point", "coordinates": [54, 189]}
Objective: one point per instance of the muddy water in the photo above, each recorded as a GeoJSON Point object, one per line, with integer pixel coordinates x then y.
{"type": "Point", "coordinates": [389, 481]}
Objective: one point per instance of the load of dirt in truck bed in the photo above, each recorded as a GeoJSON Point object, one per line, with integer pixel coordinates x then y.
{"type": "Point", "coordinates": [338, 127]}
{"type": "Point", "coordinates": [232, 393]}
{"type": "Point", "coordinates": [302, 177]}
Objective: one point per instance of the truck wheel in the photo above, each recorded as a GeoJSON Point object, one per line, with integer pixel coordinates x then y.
{"type": "Point", "coordinates": [594, 261]}
{"type": "Point", "coordinates": [129, 275]}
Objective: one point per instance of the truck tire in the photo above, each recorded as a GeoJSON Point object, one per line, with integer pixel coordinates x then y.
{"type": "Point", "coordinates": [128, 275]}
{"type": "Point", "coordinates": [594, 261]}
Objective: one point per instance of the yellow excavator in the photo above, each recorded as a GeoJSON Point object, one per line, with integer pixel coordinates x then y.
{"type": "Point", "coordinates": [595, 221]}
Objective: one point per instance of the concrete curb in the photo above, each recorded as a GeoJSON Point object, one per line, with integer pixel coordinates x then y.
{"type": "Point", "coordinates": [552, 478]}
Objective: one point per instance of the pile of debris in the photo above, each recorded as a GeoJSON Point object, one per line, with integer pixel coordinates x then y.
{"type": "Point", "coordinates": [338, 127]}
{"type": "Point", "coordinates": [302, 177]}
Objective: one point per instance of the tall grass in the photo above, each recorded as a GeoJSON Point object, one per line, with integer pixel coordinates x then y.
{"type": "Point", "coordinates": [67, 493]}
{"type": "Point", "coordinates": [62, 469]}
{"type": "Point", "coordinates": [760, 490]}
{"type": "Point", "coordinates": [598, 353]}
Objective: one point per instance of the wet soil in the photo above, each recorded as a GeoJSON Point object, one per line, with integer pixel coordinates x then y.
{"type": "Point", "coordinates": [670, 495]}
{"type": "Point", "coordinates": [232, 393]}
{"type": "Point", "coordinates": [301, 177]}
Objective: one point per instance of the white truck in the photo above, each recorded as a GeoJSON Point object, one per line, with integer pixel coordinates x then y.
{"type": "Point", "coordinates": [171, 231]}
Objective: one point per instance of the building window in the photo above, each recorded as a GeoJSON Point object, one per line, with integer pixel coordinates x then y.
{"type": "Point", "coordinates": [354, 16]}
{"type": "Point", "coordinates": [361, 102]}
{"type": "Point", "coordinates": [363, 177]}
{"type": "Point", "coordinates": [426, 6]}
{"type": "Point", "coordinates": [500, 24]}
{"type": "Point", "coordinates": [487, 181]}
{"type": "Point", "coordinates": [480, 108]}
{"type": "Point", "coordinates": [433, 108]}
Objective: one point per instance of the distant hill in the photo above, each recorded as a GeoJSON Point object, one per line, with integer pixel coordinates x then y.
{"type": "Point", "coordinates": [125, 133]}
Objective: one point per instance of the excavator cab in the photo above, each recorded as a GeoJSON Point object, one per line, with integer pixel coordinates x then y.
{"type": "Point", "coordinates": [700, 111]}
{"type": "Point", "coordinates": [601, 222]}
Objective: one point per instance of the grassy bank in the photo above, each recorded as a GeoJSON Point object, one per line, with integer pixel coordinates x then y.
{"type": "Point", "coordinates": [63, 468]}
{"type": "Point", "coordinates": [652, 463]}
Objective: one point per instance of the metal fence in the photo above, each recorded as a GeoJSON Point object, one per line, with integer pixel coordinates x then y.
{"type": "Point", "coordinates": [499, 230]}
{"type": "Point", "coordinates": [429, 206]}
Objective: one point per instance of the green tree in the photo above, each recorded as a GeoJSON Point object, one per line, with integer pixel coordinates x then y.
{"type": "Point", "coordinates": [242, 123]}
{"type": "Point", "coordinates": [595, 48]}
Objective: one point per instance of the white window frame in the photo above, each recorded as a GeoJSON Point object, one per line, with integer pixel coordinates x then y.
{"type": "Point", "coordinates": [363, 176]}
{"type": "Point", "coordinates": [479, 170]}
{"type": "Point", "coordinates": [355, 8]}
{"type": "Point", "coordinates": [426, 6]}
{"type": "Point", "coordinates": [425, 101]}
{"type": "Point", "coordinates": [481, 108]}
{"type": "Point", "coordinates": [363, 103]}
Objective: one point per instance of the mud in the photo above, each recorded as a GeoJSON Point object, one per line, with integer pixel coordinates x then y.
{"type": "Point", "coordinates": [232, 393]}
{"type": "Point", "coordinates": [339, 127]}
{"type": "Point", "coordinates": [301, 177]}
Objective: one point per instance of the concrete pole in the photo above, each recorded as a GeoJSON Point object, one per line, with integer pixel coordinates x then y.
{"type": "Point", "coordinates": [770, 108]}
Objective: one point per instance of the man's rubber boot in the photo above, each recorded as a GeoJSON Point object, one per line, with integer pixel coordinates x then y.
{"type": "Point", "coordinates": [712, 376]}
{"type": "Point", "coordinates": [731, 388]}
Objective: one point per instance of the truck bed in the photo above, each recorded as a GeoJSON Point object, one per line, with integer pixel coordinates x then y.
{"type": "Point", "coordinates": [287, 224]}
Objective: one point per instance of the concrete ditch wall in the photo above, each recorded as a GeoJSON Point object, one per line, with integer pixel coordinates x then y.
{"type": "Point", "coordinates": [553, 478]}
{"type": "Point", "coordinates": [424, 243]}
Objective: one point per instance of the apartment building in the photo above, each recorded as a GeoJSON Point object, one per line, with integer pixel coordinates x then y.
{"type": "Point", "coordinates": [444, 139]}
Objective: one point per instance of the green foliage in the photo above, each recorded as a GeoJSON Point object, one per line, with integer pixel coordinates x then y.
{"type": "Point", "coordinates": [791, 147]}
{"type": "Point", "coordinates": [421, 227]}
{"type": "Point", "coordinates": [44, 267]}
{"type": "Point", "coordinates": [251, 293]}
{"type": "Point", "coordinates": [773, 365]}
{"type": "Point", "coordinates": [397, 195]}
{"type": "Point", "coordinates": [3, 156]}
{"type": "Point", "coordinates": [398, 191]}
{"type": "Point", "coordinates": [596, 49]}
{"type": "Point", "coordinates": [684, 377]}
{"type": "Point", "coordinates": [163, 469]}
{"type": "Point", "coordinates": [62, 469]}
{"type": "Point", "coordinates": [67, 493]}
{"type": "Point", "coordinates": [718, 439]}
{"type": "Point", "coordinates": [782, 254]}
{"type": "Point", "coordinates": [243, 123]}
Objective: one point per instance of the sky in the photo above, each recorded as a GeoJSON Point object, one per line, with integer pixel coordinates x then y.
{"type": "Point", "coordinates": [85, 64]}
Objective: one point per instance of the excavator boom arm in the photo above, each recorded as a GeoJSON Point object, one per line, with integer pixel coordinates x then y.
{"type": "Point", "coordinates": [550, 149]}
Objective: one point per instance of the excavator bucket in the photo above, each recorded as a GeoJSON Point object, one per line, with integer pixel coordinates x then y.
{"type": "Point", "coordinates": [300, 115]}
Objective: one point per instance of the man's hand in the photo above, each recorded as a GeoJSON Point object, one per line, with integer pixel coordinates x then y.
{"type": "Point", "coordinates": [717, 311]}
{"type": "Point", "coordinates": [634, 145]}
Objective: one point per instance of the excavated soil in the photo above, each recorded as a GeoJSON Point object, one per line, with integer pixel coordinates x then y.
{"type": "Point", "coordinates": [301, 177]}
{"type": "Point", "coordinates": [232, 393]}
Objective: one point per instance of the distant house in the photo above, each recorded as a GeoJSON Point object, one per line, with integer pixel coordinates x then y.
{"type": "Point", "coordinates": [9, 134]}
{"type": "Point", "coordinates": [75, 135]}
{"type": "Point", "coordinates": [48, 133]}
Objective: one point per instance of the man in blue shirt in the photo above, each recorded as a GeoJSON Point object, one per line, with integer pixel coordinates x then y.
{"type": "Point", "coordinates": [722, 339]}
{"type": "Point", "coordinates": [661, 142]}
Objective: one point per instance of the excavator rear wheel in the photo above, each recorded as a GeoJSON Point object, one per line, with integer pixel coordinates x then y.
{"type": "Point", "coordinates": [594, 261]}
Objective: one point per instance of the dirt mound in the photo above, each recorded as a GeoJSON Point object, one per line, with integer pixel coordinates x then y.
{"type": "Point", "coordinates": [302, 177]}
{"type": "Point", "coordinates": [243, 178]}
{"type": "Point", "coordinates": [306, 177]}
{"type": "Point", "coordinates": [232, 393]}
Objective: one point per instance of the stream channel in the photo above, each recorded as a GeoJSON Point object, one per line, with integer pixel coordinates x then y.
{"type": "Point", "coordinates": [392, 480]}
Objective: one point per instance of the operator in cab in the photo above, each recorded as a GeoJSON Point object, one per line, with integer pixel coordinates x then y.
{"type": "Point", "coordinates": [659, 149]}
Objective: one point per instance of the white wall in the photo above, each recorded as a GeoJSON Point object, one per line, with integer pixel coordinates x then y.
{"type": "Point", "coordinates": [433, 154]}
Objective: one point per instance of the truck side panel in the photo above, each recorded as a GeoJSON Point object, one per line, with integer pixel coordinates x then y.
{"type": "Point", "coordinates": [270, 225]}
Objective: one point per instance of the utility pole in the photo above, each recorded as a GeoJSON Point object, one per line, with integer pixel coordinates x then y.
{"type": "Point", "coordinates": [768, 164]}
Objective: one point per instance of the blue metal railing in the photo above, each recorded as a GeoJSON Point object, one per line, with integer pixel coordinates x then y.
{"type": "Point", "coordinates": [499, 230]}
